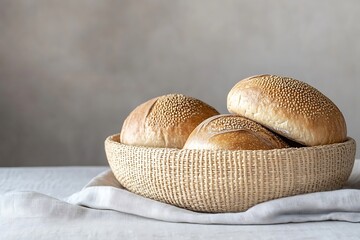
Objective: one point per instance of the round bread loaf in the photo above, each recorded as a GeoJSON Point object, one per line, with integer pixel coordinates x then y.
{"type": "Point", "coordinates": [165, 121]}
{"type": "Point", "coordinates": [290, 108]}
{"type": "Point", "coordinates": [232, 132]}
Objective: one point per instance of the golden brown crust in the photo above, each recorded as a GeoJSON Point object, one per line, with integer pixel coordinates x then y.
{"type": "Point", "coordinates": [232, 132]}
{"type": "Point", "coordinates": [165, 121]}
{"type": "Point", "coordinates": [290, 108]}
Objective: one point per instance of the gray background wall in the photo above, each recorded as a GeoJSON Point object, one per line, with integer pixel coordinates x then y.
{"type": "Point", "coordinates": [71, 71]}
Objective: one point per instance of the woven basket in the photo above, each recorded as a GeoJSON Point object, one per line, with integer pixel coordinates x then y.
{"type": "Point", "coordinates": [228, 181]}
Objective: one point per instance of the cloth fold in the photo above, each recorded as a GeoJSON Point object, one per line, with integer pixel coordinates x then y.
{"type": "Point", "coordinates": [104, 193]}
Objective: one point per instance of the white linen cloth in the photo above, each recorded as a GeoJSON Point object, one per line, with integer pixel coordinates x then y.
{"type": "Point", "coordinates": [105, 193]}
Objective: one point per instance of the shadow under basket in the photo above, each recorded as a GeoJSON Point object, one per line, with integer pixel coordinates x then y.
{"type": "Point", "coordinates": [217, 181]}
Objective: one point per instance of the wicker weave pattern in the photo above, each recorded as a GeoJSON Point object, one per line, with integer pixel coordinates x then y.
{"type": "Point", "coordinates": [228, 181]}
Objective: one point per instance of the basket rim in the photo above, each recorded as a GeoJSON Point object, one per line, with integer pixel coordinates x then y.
{"type": "Point", "coordinates": [115, 139]}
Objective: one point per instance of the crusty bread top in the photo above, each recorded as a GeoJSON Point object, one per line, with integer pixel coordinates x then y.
{"type": "Point", "coordinates": [232, 132]}
{"type": "Point", "coordinates": [289, 107]}
{"type": "Point", "coordinates": [165, 121]}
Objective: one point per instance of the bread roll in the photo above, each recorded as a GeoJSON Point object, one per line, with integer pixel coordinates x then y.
{"type": "Point", "coordinates": [290, 108]}
{"type": "Point", "coordinates": [165, 121]}
{"type": "Point", "coordinates": [232, 132]}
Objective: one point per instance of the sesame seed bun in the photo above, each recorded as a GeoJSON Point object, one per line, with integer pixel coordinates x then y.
{"type": "Point", "coordinates": [232, 132]}
{"type": "Point", "coordinates": [290, 108]}
{"type": "Point", "coordinates": [165, 121]}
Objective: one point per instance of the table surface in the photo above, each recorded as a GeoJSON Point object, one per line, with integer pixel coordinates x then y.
{"type": "Point", "coordinates": [60, 182]}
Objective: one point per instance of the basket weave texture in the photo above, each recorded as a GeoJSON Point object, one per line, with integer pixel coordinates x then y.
{"type": "Point", "coordinates": [217, 181]}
